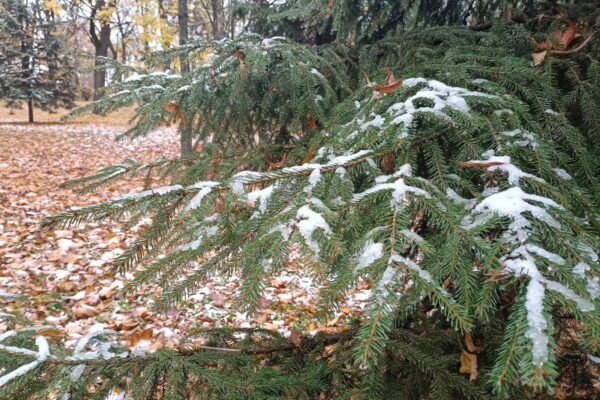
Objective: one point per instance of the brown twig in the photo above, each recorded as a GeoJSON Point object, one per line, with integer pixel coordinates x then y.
{"type": "Point", "coordinates": [479, 164]}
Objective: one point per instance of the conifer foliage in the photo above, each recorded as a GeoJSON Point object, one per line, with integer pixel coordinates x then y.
{"type": "Point", "coordinates": [466, 197]}
{"type": "Point", "coordinates": [33, 66]}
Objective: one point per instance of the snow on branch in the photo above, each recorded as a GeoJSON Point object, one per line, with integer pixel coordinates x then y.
{"type": "Point", "coordinates": [40, 356]}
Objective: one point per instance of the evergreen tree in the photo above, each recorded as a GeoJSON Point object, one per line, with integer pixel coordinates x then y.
{"type": "Point", "coordinates": [33, 66]}
{"type": "Point", "coordinates": [462, 185]}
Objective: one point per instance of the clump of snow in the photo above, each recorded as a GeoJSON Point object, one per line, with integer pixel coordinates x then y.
{"type": "Point", "coordinates": [193, 245]}
{"type": "Point", "coordinates": [413, 236]}
{"type": "Point", "coordinates": [268, 42]}
{"type": "Point", "coordinates": [520, 207]}
{"type": "Point", "coordinates": [399, 192]}
{"type": "Point", "coordinates": [376, 121]}
{"type": "Point", "coordinates": [262, 196]}
{"type": "Point", "coordinates": [313, 179]}
{"type": "Point", "coordinates": [593, 358]}
{"type": "Point", "coordinates": [527, 138]}
{"type": "Point", "coordinates": [237, 187]}
{"type": "Point", "coordinates": [442, 96]}
{"type": "Point", "coordinates": [567, 293]}
{"type": "Point", "coordinates": [410, 82]}
{"type": "Point", "coordinates": [308, 222]}
{"type": "Point", "coordinates": [588, 251]}
{"type": "Point", "coordinates": [345, 159]}
{"type": "Point", "coordinates": [514, 202]}
{"type": "Point", "coordinates": [134, 77]}
{"type": "Point", "coordinates": [120, 93]}
{"type": "Point", "coordinates": [150, 192]}
{"type": "Point", "coordinates": [284, 229]}
{"type": "Point", "coordinates": [404, 170]}
{"type": "Point", "coordinates": [41, 355]}
{"type": "Point", "coordinates": [370, 252]}
{"type": "Point", "coordinates": [423, 274]}
{"type": "Point", "coordinates": [316, 72]}
{"type": "Point", "coordinates": [237, 181]}
{"type": "Point", "coordinates": [151, 87]}
{"type": "Point", "coordinates": [503, 164]}
{"type": "Point", "coordinates": [383, 285]}
{"type": "Point", "coordinates": [538, 251]}
{"type": "Point", "coordinates": [593, 283]}
{"type": "Point", "coordinates": [467, 203]}
{"type": "Point", "coordinates": [561, 173]}
{"type": "Point", "coordinates": [534, 302]}
{"type": "Point", "coordinates": [205, 188]}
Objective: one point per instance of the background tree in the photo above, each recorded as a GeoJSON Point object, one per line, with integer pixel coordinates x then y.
{"type": "Point", "coordinates": [33, 65]}
{"type": "Point", "coordinates": [98, 15]}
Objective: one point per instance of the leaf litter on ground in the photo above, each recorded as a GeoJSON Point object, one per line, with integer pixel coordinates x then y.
{"type": "Point", "coordinates": [65, 276]}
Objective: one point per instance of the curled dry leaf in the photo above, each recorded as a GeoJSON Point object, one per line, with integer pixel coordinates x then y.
{"type": "Point", "coordinates": [277, 164]}
{"type": "Point", "coordinates": [391, 84]}
{"type": "Point", "coordinates": [538, 58]}
{"type": "Point", "coordinates": [468, 365]}
{"type": "Point", "coordinates": [170, 106]}
{"type": "Point", "coordinates": [471, 346]}
{"type": "Point", "coordinates": [312, 122]}
{"type": "Point", "coordinates": [84, 311]}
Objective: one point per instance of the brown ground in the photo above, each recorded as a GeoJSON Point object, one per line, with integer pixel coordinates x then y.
{"type": "Point", "coordinates": [65, 274]}
{"type": "Point", "coordinates": [120, 118]}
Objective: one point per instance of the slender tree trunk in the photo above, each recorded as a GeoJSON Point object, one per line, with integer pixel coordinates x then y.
{"type": "Point", "coordinates": [27, 65]}
{"type": "Point", "coordinates": [216, 23]}
{"type": "Point", "coordinates": [101, 47]}
{"type": "Point", "coordinates": [185, 141]}
{"type": "Point", "coordinates": [123, 49]}
{"type": "Point", "coordinates": [232, 16]}
{"type": "Point", "coordinates": [185, 137]}
{"type": "Point", "coordinates": [30, 110]}
{"type": "Point", "coordinates": [182, 15]}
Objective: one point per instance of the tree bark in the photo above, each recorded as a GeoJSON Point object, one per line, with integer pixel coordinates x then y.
{"type": "Point", "coordinates": [30, 109]}
{"type": "Point", "coordinates": [101, 50]}
{"type": "Point", "coordinates": [185, 137]}
{"type": "Point", "coordinates": [185, 141]}
{"type": "Point", "coordinates": [216, 24]}
{"type": "Point", "coordinates": [27, 65]}
{"type": "Point", "coordinates": [182, 15]}
{"type": "Point", "coordinates": [101, 46]}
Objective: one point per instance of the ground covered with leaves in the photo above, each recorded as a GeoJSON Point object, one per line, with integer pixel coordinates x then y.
{"type": "Point", "coordinates": [65, 276]}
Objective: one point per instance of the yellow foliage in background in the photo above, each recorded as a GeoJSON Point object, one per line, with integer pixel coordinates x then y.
{"type": "Point", "coordinates": [53, 5]}
{"type": "Point", "coordinates": [155, 29]}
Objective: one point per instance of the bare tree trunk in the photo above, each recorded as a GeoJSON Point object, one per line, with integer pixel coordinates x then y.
{"type": "Point", "coordinates": [185, 141]}
{"type": "Point", "coordinates": [27, 65]}
{"type": "Point", "coordinates": [101, 45]}
{"type": "Point", "coordinates": [185, 137]}
{"type": "Point", "coordinates": [182, 15]}
{"type": "Point", "coordinates": [30, 109]}
{"type": "Point", "coordinates": [216, 24]}
{"type": "Point", "coordinates": [232, 16]}
{"type": "Point", "coordinates": [101, 50]}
